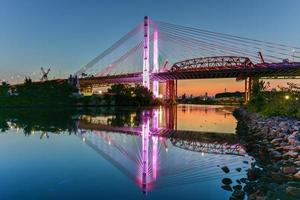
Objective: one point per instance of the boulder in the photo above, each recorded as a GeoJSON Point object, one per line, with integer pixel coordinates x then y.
{"type": "Point", "coordinates": [238, 169]}
{"type": "Point", "coordinates": [275, 154]}
{"type": "Point", "coordinates": [276, 140]}
{"type": "Point", "coordinates": [226, 181]}
{"type": "Point", "coordinates": [225, 169]}
{"type": "Point", "coordinates": [297, 175]}
{"type": "Point", "coordinates": [288, 169]}
{"type": "Point", "coordinates": [254, 174]}
{"type": "Point", "coordinates": [238, 194]}
{"type": "Point", "coordinates": [291, 154]}
{"type": "Point", "coordinates": [293, 191]}
{"type": "Point", "coordinates": [227, 187]}
{"type": "Point", "coordinates": [237, 187]}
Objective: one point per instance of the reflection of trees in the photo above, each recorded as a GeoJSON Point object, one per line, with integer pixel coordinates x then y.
{"type": "Point", "coordinates": [45, 120]}
{"type": "Point", "coordinates": [3, 125]}
{"type": "Point", "coordinates": [114, 116]}
{"type": "Point", "coordinates": [125, 118]}
{"type": "Point", "coordinates": [62, 120]}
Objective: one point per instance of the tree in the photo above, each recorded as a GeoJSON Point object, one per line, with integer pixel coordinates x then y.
{"type": "Point", "coordinates": [4, 88]}
{"type": "Point", "coordinates": [258, 100]}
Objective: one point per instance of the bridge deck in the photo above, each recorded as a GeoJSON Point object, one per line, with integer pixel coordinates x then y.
{"type": "Point", "coordinates": [258, 70]}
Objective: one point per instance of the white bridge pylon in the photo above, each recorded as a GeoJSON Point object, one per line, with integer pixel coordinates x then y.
{"type": "Point", "coordinates": [146, 56]}
{"type": "Point", "coordinates": [146, 74]}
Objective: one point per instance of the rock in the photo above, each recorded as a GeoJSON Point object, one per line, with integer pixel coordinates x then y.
{"type": "Point", "coordinates": [288, 148]}
{"type": "Point", "coordinates": [238, 194]}
{"type": "Point", "coordinates": [250, 187]}
{"type": "Point", "coordinates": [260, 198]}
{"type": "Point", "coordinates": [288, 170]}
{"type": "Point", "coordinates": [254, 174]}
{"type": "Point", "coordinates": [291, 154]}
{"type": "Point", "coordinates": [225, 169]}
{"type": "Point", "coordinates": [275, 154]}
{"type": "Point", "coordinates": [297, 175]}
{"type": "Point", "coordinates": [294, 184]}
{"type": "Point", "coordinates": [276, 140]}
{"type": "Point", "coordinates": [292, 139]}
{"type": "Point", "coordinates": [227, 187]}
{"type": "Point", "coordinates": [296, 128]}
{"type": "Point", "coordinates": [238, 169]}
{"type": "Point", "coordinates": [237, 187]}
{"type": "Point", "coordinates": [226, 181]}
{"type": "Point", "coordinates": [243, 180]}
{"type": "Point", "coordinates": [293, 191]}
{"type": "Point", "coordinates": [279, 177]}
{"type": "Point", "coordinates": [282, 124]}
{"type": "Point", "coordinates": [297, 163]}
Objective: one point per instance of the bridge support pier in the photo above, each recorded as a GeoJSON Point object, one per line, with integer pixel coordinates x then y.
{"type": "Point", "coordinates": [171, 91]}
{"type": "Point", "coordinates": [248, 87]}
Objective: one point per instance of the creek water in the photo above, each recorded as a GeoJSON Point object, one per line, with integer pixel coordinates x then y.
{"type": "Point", "coordinates": [120, 153]}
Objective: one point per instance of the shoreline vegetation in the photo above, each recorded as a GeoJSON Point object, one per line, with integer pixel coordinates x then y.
{"type": "Point", "coordinates": [60, 93]}
{"type": "Point", "coordinates": [268, 103]}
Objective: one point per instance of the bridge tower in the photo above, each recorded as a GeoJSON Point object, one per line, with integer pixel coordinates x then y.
{"type": "Point", "coordinates": [146, 74]}
{"type": "Point", "coordinates": [155, 62]}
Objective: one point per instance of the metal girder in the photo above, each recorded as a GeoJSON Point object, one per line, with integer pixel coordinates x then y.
{"type": "Point", "coordinates": [212, 63]}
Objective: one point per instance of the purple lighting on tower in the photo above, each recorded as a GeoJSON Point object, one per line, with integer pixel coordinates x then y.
{"type": "Point", "coordinates": [145, 153]}
{"type": "Point", "coordinates": [155, 62]}
{"type": "Point", "coordinates": [146, 75]}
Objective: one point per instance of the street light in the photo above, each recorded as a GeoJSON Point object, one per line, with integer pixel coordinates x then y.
{"type": "Point", "coordinates": [287, 97]}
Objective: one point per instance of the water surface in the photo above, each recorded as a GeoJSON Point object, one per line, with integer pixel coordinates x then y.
{"type": "Point", "coordinates": [114, 153]}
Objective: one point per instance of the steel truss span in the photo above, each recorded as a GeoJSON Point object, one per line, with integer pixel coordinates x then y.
{"type": "Point", "coordinates": [212, 63]}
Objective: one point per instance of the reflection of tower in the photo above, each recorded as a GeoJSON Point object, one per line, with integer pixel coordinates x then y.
{"type": "Point", "coordinates": [154, 157]}
{"type": "Point", "coordinates": [155, 122]}
{"type": "Point", "coordinates": [155, 126]}
{"type": "Point", "coordinates": [145, 153]}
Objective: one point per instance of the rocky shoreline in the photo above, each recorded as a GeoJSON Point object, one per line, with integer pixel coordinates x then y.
{"type": "Point", "coordinates": [275, 144]}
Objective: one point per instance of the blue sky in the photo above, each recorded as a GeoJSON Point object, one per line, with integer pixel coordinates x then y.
{"type": "Point", "coordinates": [67, 34]}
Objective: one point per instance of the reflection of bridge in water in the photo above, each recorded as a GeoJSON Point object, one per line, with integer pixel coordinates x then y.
{"type": "Point", "coordinates": [160, 156]}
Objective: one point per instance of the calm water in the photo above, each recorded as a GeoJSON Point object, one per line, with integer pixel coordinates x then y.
{"type": "Point", "coordinates": [160, 153]}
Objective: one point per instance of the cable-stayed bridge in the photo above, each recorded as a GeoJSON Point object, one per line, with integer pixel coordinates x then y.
{"type": "Point", "coordinates": [157, 52]}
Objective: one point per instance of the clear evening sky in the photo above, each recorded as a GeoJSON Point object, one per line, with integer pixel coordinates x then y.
{"type": "Point", "coordinates": [67, 34]}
